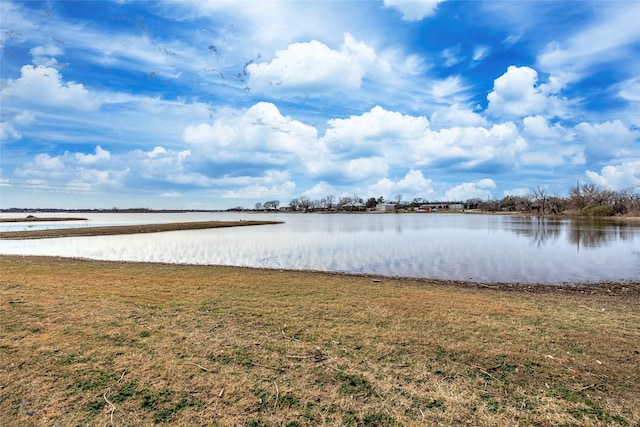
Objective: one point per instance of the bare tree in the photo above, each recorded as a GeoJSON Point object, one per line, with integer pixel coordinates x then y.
{"type": "Point", "coordinates": [304, 203]}
{"type": "Point", "coordinates": [541, 197]}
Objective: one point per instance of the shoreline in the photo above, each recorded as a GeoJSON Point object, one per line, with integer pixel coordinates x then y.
{"type": "Point", "coordinates": [612, 288]}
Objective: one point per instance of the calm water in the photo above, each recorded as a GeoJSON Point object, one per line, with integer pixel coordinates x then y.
{"type": "Point", "coordinates": [485, 248]}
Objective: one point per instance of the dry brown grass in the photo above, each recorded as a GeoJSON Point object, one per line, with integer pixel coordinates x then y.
{"type": "Point", "coordinates": [99, 343]}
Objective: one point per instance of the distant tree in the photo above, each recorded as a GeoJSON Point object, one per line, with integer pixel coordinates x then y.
{"type": "Point", "coordinates": [304, 203]}
{"type": "Point", "coordinates": [540, 195]}
{"type": "Point", "coordinates": [258, 206]}
{"type": "Point", "coordinates": [417, 201]}
{"type": "Point", "coordinates": [473, 203]}
{"type": "Point", "coordinates": [509, 203]}
{"type": "Point", "coordinates": [577, 199]}
{"type": "Point", "coordinates": [330, 201]}
{"type": "Point", "coordinates": [371, 203]}
{"type": "Point", "coordinates": [294, 204]}
{"type": "Point", "coordinates": [271, 205]}
{"type": "Point", "coordinates": [524, 203]}
{"type": "Point", "coordinates": [344, 202]}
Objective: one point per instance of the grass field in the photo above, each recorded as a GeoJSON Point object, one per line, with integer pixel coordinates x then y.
{"type": "Point", "coordinates": [124, 344]}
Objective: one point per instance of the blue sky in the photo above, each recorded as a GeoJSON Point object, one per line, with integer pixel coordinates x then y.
{"type": "Point", "coordinates": [217, 104]}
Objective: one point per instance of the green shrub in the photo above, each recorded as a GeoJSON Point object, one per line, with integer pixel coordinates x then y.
{"type": "Point", "coordinates": [598, 211]}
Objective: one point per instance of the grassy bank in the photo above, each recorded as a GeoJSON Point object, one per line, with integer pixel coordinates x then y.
{"type": "Point", "coordinates": [98, 343]}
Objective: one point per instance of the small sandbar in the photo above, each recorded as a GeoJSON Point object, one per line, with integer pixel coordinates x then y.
{"type": "Point", "coordinates": [125, 229]}
{"type": "Point", "coordinates": [32, 218]}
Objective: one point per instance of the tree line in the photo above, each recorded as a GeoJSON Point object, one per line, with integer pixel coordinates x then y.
{"type": "Point", "coordinates": [586, 199]}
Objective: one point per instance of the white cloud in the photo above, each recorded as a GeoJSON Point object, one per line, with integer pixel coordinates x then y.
{"type": "Point", "coordinates": [414, 10]}
{"type": "Point", "coordinates": [450, 90]}
{"type": "Point", "coordinates": [617, 177]}
{"type": "Point", "coordinates": [100, 155]}
{"type": "Point", "coordinates": [611, 39]}
{"type": "Point", "coordinates": [45, 55]}
{"type": "Point", "coordinates": [314, 66]}
{"type": "Point", "coordinates": [480, 52]}
{"type": "Point", "coordinates": [609, 140]}
{"type": "Point", "coordinates": [515, 94]}
{"type": "Point", "coordinates": [284, 191]}
{"type": "Point", "coordinates": [471, 190]}
{"type": "Point", "coordinates": [538, 127]}
{"type": "Point", "coordinates": [471, 147]}
{"type": "Point", "coordinates": [369, 131]}
{"type": "Point", "coordinates": [8, 131]}
{"type": "Point", "coordinates": [452, 56]}
{"type": "Point", "coordinates": [521, 192]}
{"type": "Point", "coordinates": [260, 134]}
{"type": "Point", "coordinates": [412, 185]}
{"type": "Point", "coordinates": [44, 86]}
{"type": "Point", "coordinates": [319, 190]}
{"type": "Point", "coordinates": [456, 115]}
{"type": "Point", "coordinates": [630, 90]}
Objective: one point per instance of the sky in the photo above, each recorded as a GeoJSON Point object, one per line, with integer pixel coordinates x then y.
{"type": "Point", "coordinates": [218, 104]}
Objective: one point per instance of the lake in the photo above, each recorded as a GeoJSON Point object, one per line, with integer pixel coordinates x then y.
{"type": "Point", "coordinates": [483, 248]}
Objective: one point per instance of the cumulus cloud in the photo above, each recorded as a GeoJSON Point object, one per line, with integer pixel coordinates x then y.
{"type": "Point", "coordinates": [456, 115]}
{"type": "Point", "coordinates": [617, 177]}
{"type": "Point", "coordinates": [414, 10]}
{"type": "Point", "coordinates": [412, 185]}
{"type": "Point", "coordinates": [472, 148]}
{"type": "Point", "coordinates": [515, 94]}
{"type": "Point", "coordinates": [260, 135]}
{"type": "Point", "coordinates": [471, 190]}
{"type": "Point", "coordinates": [45, 55]}
{"type": "Point", "coordinates": [256, 191]}
{"type": "Point", "coordinates": [609, 140]}
{"type": "Point", "coordinates": [39, 85]}
{"type": "Point", "coordinates": [538, 128]}
{"type": "Point", "coordinates": [315, 66]}
{"type": "Point", "coordinates": [100, 155]}
{"type": "Point", "coordinates": [366, 134]}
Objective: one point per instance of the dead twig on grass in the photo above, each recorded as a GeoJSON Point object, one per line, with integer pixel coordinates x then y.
{"type": "Point", "coordinates": [275, 368]}
{"type": "Point", "coordinates": [199, 366]}
{"type": "Point", "coordinates": [112, 406]}
{"type": "Point", "coordinates": [587, 387]}
{"type": "Point", "coordinates": [275, 404]}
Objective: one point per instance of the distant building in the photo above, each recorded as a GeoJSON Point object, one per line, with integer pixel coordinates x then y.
{"type": "Point", "coordinates": [386, 207]}
{"type": "Point", "coordinates": [443, 206]}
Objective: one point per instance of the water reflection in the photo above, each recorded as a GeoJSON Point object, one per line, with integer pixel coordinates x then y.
{"type": "Point", "coordinates": [539, 230]}
{"type": "Point", "coordinates": [597, 234]}
{"type": "Point", "coordinates": [489, 248]}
